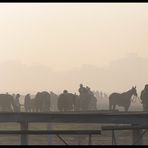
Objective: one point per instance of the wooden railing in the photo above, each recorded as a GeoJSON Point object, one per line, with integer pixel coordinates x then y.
{"type": "Point", "coordinates": [58, 133]}
{"type": "Point", "coordinates": [140, 119]}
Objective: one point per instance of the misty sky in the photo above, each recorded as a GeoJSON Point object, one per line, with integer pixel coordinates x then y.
{"type": "Point", "coordinates": [54, 39]}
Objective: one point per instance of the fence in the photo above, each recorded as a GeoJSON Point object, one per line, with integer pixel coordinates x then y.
{"type": "Point", "coordinates": [136, 121]}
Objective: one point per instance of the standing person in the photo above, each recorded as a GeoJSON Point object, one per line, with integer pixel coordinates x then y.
{"type": "Point", "coordinates": [144, 98]}
{"type": "Point", "coordinates": [82, 89]}
{"type": "Point", "coordinates": [27, 103]}
{"type": "Point", "coordinates": [84, 98]}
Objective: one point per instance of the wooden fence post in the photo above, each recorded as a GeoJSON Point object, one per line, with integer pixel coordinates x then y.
{"type": "Point", "coordinates": [24, 137]}
{"type": "Point", "coordinates": [137, 139]}
{"type": "Point", "coordinates": [50, 137]}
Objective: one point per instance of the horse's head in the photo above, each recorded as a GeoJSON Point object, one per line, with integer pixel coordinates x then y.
{"type": "Point", "coordinates": [134, 91]}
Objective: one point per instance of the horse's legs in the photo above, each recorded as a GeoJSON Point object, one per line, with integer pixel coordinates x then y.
{"type": "Point", "coordinates": [145, 107]}
{"type": "Point", "coordinates": [126, 108]}
{"type": "Point", "coordinates": [10, 109]}
{"type": "Point", "coordinates": [114, 106]}
{"type": "Point", "coordinates": [110, 106]}
{"type": "Point", "coordinates": [64, 109]}
{"type": "Point", "coordinates": [36, 108]}
{"type": "Point", "coordinates": [4, 109]}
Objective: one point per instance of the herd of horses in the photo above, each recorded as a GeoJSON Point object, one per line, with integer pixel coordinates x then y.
{"type": "Point", "coordinates": [42, 103]}
{"type": "Point", "coordinates": [73, 102]}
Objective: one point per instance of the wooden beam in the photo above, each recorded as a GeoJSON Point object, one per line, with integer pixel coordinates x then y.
{"type": "Point", "coordinates": [51, 132]}
{"type": "Point", "coordinates": [24, 137]}
{"type": "Point", "coordinates": [140, 118]}
{"type": "Point", "coordinates": [124, 127]}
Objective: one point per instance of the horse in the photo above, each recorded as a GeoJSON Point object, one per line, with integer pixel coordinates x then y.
{"type": "Point", "coordinates": [27, 103]}
{"type": "Point", "coordinates": [7, 102]}
{"type": "Point", "coordinates": [32, 105]}
{"type": "Point", "coordinates": [85, 100]}
{"type": "Point", "coordinates": [76, 103]}
{"type": "Point", "coordinates": [122, 99]}
{"type": "Point", "coordinates": [93, 103]}
{"type": "Point", "coordinates": [144, 100]}
{"type": "Point", "coordinates": [42, 101]}
{"type": "Point", "coordinates": [68, 102]}
{"type": "Point", "coordinates": [16, 105]}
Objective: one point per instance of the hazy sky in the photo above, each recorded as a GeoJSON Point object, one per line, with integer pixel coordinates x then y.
{"type": "Point", "coordinates": [67, 35]}
{"type": "Point", "coordinates": [64, 36]}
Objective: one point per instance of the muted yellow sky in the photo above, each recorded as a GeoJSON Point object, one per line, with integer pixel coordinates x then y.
{"type": "Point", "coordinates": [67, 35]}
{"type": "Point", "coordinates": [56, 46]}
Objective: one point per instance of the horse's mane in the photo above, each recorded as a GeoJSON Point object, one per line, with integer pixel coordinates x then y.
{"type": "Point", "coordinates": [126, 92]}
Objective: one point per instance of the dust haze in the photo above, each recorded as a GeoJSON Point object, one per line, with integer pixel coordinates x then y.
{"type": "Point", "coordinates": [58, 46]}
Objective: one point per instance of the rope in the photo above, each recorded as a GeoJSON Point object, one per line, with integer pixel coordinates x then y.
{"type": "Point", "coordinates": [133, 99]}
{"type": "Point", "coordinates": [139, 100]}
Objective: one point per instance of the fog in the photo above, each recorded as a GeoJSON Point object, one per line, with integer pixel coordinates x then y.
{"type": "Point", "coordinates": [119, 76]}
{"type": "Point", "coordinates": [58, 46]}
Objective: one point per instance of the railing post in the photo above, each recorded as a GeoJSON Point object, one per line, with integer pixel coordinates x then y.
{"type": "Point", "coordinates": [137, 139]}
{"type": "Point", "coordinates": [89, 143]}
{"type": "Point", "coordinates": [113, 137]}
{"type": "Point", "coordinates": [24, 137]}
{"type": "Point", "coordinates": [50, 137]}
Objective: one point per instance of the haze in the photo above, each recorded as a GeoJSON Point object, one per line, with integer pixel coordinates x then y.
{"type": "Point", "coordinates": [56, 46]}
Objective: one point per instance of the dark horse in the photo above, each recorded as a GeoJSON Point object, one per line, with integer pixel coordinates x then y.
{"type": "Point", "coordinates": [123, 99]}
{"type": "Point", "coordinates": [68, 102]}
{"type": "Point", "coordinates": [6, 102]}
{"type": "Point", "coordinates": [42, 102]}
